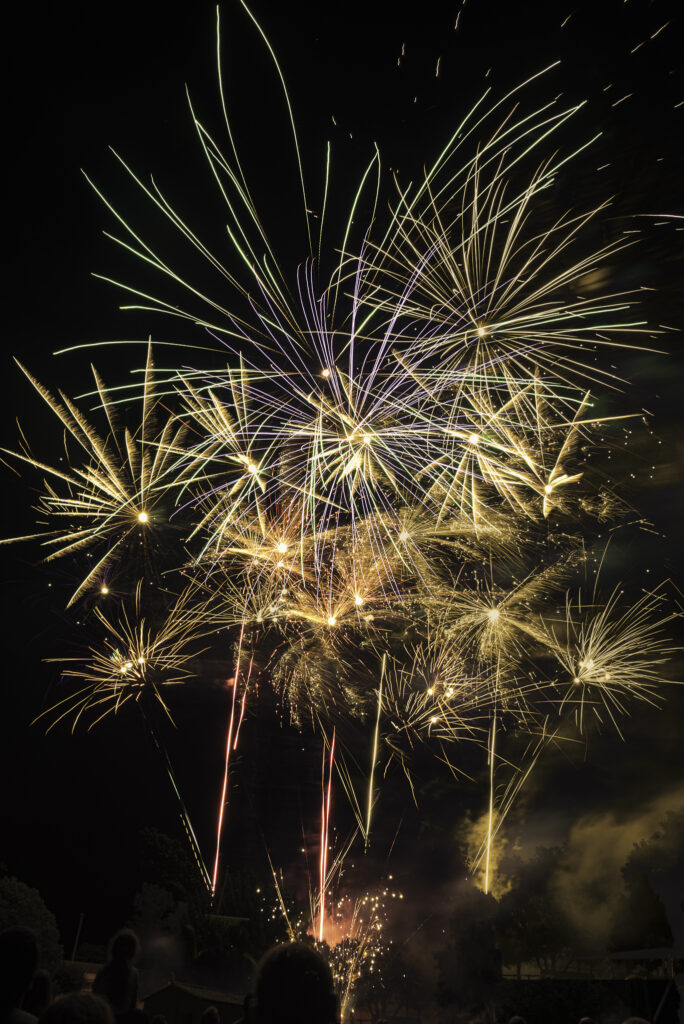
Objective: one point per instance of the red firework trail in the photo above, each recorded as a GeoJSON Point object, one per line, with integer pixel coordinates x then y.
{"type": "Point", "coordinates": [325, 823]}
{"type": "Point", "coordinates": [226, 768]}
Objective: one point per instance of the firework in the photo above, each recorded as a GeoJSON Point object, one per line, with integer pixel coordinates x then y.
{"type": "Point", "coordinates": [612, 652]}
{"type": "Point", "coordinates": [112, 499]}
{"type": "Point", "coordinates": [357, 948]}
{"type": "Point", "coordinates": [377, 489]}
{"type": "Point", "coordinates": [132, 660]}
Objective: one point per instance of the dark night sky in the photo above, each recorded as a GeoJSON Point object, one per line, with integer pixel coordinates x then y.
{"type": "Point", "coordinates": [81, 77]}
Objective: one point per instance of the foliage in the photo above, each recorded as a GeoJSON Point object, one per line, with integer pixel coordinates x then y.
{"type": "Point", "coordinates": [155, 910]}
{"type": "Point", "coordinates": [22, 905]}
{"type": "Point", "coordinates": [664, 850]}
{"type": "Point", "coordinates": [530, 926]}
{"type": "Point", "coordinates": [69, 978]}
{"type": "Point", "coordinates": [640, 921]}
{"type": "Point", "coordinates": [661, 856]}
{"type": "Point", "coordinates": [563, 1002]}
{"type": "Point", "coordinates": [167, 863]}
{"type": "Point", "coordinates": [469, 967]}
{"type": "Point", "coordinates": [262, 923]}
{"type": "Point", "coordinates": [398, 987]}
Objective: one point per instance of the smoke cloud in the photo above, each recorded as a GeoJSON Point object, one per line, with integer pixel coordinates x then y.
{"type": "Point", "coordinates": [589, 882]}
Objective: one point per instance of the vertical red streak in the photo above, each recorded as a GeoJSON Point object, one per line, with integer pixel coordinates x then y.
{"type": "Point", "coordinates": [321, 859]}
{"type": "Point", "coordinates": [325, 824]}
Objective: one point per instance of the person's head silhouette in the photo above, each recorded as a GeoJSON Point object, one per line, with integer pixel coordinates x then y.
{"type": "Point", "coordinates": [18, 962]}
{"type": "Point", "coordinates": [78, 1008]}
{"type": "Point", "coordinates": [124, 947]}
{"type": "Point", "coordinates": [39, 994]}
{"type": "Point", "coordinates": [294, 985]}
{"type": "Point", "coordinates": [210, 1015]}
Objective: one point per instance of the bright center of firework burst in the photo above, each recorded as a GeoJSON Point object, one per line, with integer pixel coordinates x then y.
{"type": "Point", "coordinates": [474, 439]}
{"type": "Point", "coordinates": [481, 332]}
{"type": "Point", "coordinates": [142, 517]}
{"type": "Point", "coordinates": [403, 536]}
{"type": "Point", "coordinates": [493, 614]}
{"type": "Point", "coordinates": [104, 589]}
{"type": "Point", "coordinates": [358, 600]}
{"type": "Point", "coordinates": [251, 467]}
{"type": "Point", "coordinates": [548, 488]}
{"type": "Point", "coordinates": [282, 547]}
{"type": "Point", "coordinates": [325, 372]}
{"type": "Point", "coordinates": [332, 620]}
{"type": "Point", "coordinates": [430, 690]}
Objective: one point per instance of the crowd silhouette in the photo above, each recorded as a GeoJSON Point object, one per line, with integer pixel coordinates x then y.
{"type": "Point", "coordinates": [117, 981]}
{"type": "Point", "coordinates": [293, 984]}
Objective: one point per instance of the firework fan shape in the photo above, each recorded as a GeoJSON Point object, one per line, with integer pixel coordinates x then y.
{"type": "Point", "coordinates": [110, 504]}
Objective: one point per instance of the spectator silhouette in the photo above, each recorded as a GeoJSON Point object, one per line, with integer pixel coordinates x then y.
{"type": "Point", "coordinates": [517, 1019]}
{"type": "Point", "coordinates": [39, 994]}
{"type": "Point", "coordinates": [18, 961]}
{"type": "Point", "coordinates": [78, 1008]}
{"type": "Point", "coordinates": [293, 985]}
{"type": "Point", "coordinates": [210, 1015]}
{"type": "Point", "coordinates": [117, 981]}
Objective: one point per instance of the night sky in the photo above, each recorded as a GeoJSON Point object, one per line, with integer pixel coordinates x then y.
{"type": "Point", "coordinates": [82, 77]}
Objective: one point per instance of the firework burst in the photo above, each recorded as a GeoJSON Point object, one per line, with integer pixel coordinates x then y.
{"type": "Point", "coordinates": [378, 491]}
{"type": "Point", "coordinates": [112, 499]}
